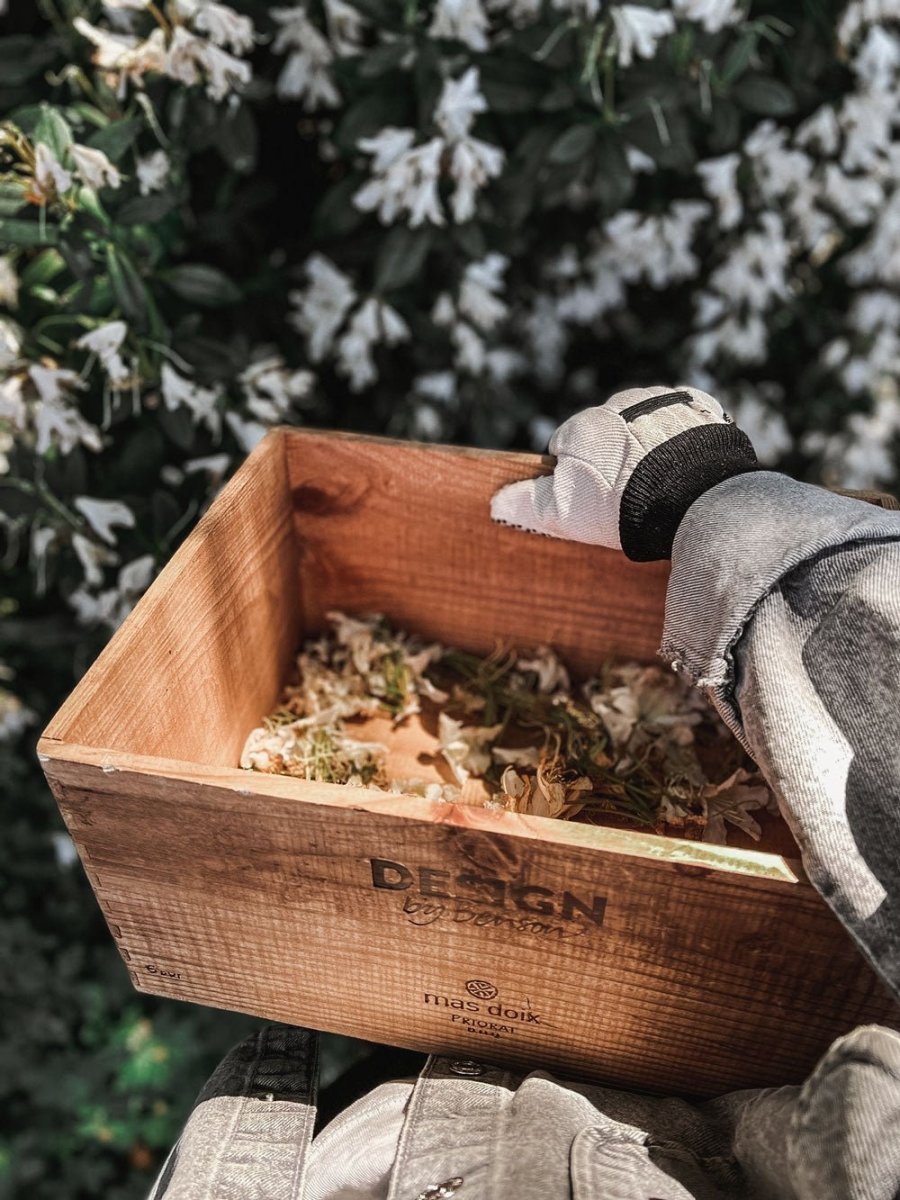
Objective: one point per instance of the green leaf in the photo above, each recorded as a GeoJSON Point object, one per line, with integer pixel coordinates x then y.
{"type": "Point", "coordinates": [766, 96]}
{"type": "Point", "coordinates": [370, 115]}
{"type": "Point", "coordinates": [401, 257]}
{"type": "Point", "coordinates": [383, 59]}
{"type": "Point", "coordinates": [178, 426]}
{"type": "Point", "coordinates": [726, 126]}
{"type": "Point", "coordinates": [12, 198]}
{"type": "Point", "coordinates": [42, 269]}
{"type": "Point", "coordinates": [613, 179]}
{"type": "Point", "coordinates": [27, 233]}
{"type": "Point", "coordinates": [575, 143]}
{"type": "Point", "coordinates": [53, 130]}
{"type": "Point", "coordinates": [22, 57]}
{"type": "Point", "coordinates": [128, 287]}
{"type": "Point", "coordinates": [202, 284]}
{"type": "Point", "coordinates": [116, 138]}
{"type": "Point", "coordinates": [147, 210]}
{"type": "Point", "coordinates": [382, 13]}
{"type": "Point", "coordinates": [237, 140]}
{"type": "Point", "coordinates": [739, 58]}
{"type": "Point", "coordinates": [666, 138]}
{"type": "Point", "coordinates": [509, 97]}
{"type": "Point", "coordinates": [336, 215]}
{"type": "Point", "coordinates": [470, 237]}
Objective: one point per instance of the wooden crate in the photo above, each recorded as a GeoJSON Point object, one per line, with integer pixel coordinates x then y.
{"type": "Point", "coordinates": [593, 952]}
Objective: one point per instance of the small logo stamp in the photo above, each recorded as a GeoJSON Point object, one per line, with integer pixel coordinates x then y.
{"type": "Point", "coordinates": [481, 988]}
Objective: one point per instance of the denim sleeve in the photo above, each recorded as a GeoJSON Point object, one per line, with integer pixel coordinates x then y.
{"type": "Point", "coordinates": [784, 606]}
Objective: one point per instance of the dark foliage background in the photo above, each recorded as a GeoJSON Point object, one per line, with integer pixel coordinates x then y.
{"type": "Point", "coordinates": [701, 190]}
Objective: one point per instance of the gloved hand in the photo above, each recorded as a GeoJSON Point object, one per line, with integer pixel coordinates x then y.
{"type": "Point", "coordinates": [628, 470]}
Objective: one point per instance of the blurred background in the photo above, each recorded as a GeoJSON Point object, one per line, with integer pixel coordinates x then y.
{"type": "Point", "coordinates": [454, 220]}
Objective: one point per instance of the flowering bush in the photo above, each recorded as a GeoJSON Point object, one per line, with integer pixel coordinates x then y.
{"type": "Point", "coordinates": [476, 215]}
{"type": "Point", "coordinates": [448, 219]}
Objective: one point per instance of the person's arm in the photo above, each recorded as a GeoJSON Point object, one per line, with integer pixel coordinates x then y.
{"type": "Point", "coordinates": [783, 604]}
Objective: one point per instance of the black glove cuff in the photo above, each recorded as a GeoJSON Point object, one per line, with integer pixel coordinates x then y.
{"type": "Point", "coordinates": [668, 480]}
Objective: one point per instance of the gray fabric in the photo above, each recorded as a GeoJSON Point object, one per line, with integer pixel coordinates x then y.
{"type": "Point", "coordinates": [249, 1132]}
{"type": "Point", "coordinates": [532, 1136]}
{"type": "Point", "coordinates": [796, 639]}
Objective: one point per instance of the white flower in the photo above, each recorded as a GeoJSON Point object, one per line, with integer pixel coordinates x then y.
{"type": "Point", "coordinates": [93, 609]}
{"type": "Point", "coordinates": [104, 515]}
{"type": "Point", "coordinates": [92, 558]}
{"type": "Point", "coordinates": [462, 20]}
{"type": "Point", "coordinates": [478, 292]}
{"type": "Point", "coordinates": [42, 538]}
{"type": "Point", "coordinates": [861, 13]}
{"type": "Point", "coordinates": [9, 283]}
{"type": "Point", "coordinates": [105, 341]}
{"type": "Point", "coordinates": [246, 433]}
{"type": "Point", "coordinates": [472, 164]}
{"type": "Point", "coordinates": [14, 716]}
{"type": "Point", "coordinates": [10, 343]}
{"type": "Point", "coordinates": [152, 172]}
{"type": "Point", "coordinates": [459, 103]}
{"type": "Point", "coordinates": [552, 676]}
{"type": "Point", "coordinates": [322, 305]}
{"type": "Point", "coordinates": [877, 61]}
{"type": "Point", "coordinates": [221, 24]}
{"type": "Point", "coordinates": [581, 8]}
{"type": "Point", "coordinates": [762, 423]}
{"type": "Point", "coordinates": [439, 386]}
{"type": "Point", "coordinates": [51, 179]}
{"type": "Point", "coordinates": [306, 75]}
{"type": "Point", "coordinates": [822, 130]}
{"type": "Point", "coordinates": [123, 53]}
{"type": "Point", "coordinates": [405, 179]}
{"type": "Point", "coordinates": [638, 29]}
{"type": "Point", "coordinates": [719, 177]}
{"type": "Point", "coordinates": [520, 12]}
{"type": "Point", "coordinates": [202, 402]}
{"type": "Point", "coordinates": [470, 348]}
{"type": "Point", "coordinates": [57, 423]}
{"type": "Point", "coordinates": [94, 168]}
{"type": "Point", "coordinates": [465, 748]}
{"type": "Point", "coordinates": [345, 26]}
{"type": "Point", "coordinates": [189, 56]}
{"type": "Point", "coordinates": [112, 606]}
{"type": "Point", "coordinates": [373, 322]}
{"type": "Point", "coordinates": [270, 388]}
{"type": "Point", "coordinates": [713, 15]}
{"type": "Point", "coordinates": [215, 466]}
{"type": "Point", "coordinates": [406, 176]}
{"type": "Point", "coordinates": [135, 576]}
{"type": "Point", "coordinates": [12, 405]}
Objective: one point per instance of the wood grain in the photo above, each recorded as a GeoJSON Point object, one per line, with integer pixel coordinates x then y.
{"type": "Point", "coordinates": [206, 650]}
{"type": "Point", "coordinates": [696, 979]}
{"type": "Point", "coordinates": [643, 960]}
{"type": "Point", "coordinates": [404, 529]}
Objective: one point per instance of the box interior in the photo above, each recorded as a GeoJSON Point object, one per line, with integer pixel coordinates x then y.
{"type": "Point", "coordinates": [317, 521]}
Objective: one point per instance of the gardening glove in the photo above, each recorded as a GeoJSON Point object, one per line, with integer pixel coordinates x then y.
{"type": "Point", "coordinates": [628, 470]}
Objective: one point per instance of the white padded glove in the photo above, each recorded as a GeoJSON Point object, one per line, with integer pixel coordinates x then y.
{"type": "Point", "coordinates": [628, 470]}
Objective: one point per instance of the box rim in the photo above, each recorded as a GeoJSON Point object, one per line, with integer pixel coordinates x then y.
{"type": "Point", "coordinates": [729, 860]}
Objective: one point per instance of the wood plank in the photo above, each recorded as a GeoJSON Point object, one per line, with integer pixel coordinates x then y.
{"type": "Point", "coordinates": [404, 529]}
{"type": "Point", "coordinates": [637, 971]}
{"type": "Point", "coordinates": [206, 650]}
{"type": "Point", "coordinates": [67, 763]}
